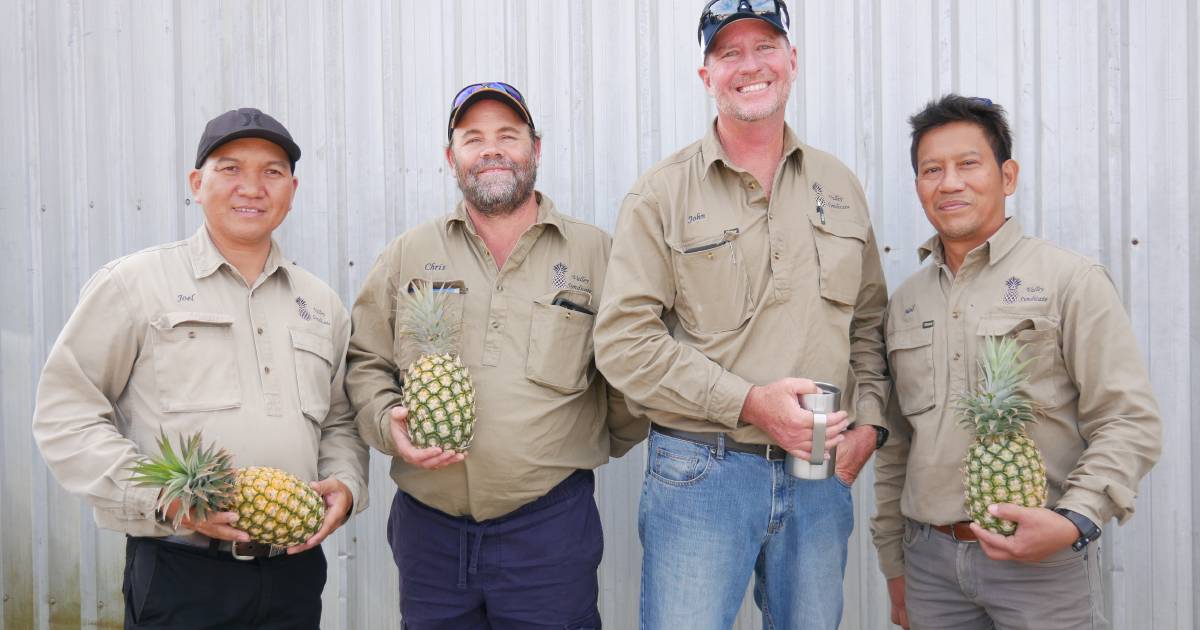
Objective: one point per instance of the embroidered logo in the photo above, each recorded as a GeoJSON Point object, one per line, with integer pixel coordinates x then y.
{"type": "Point", "coordinates": [1010, 293]}
{"type": "Point", "coordinates": [560, 276]}
{"type": "Point", "coordinates": [302, 308]}
{"type": "Point", "coordinates": [819, 192]}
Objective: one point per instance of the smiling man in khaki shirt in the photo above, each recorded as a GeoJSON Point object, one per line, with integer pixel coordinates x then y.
{"type": "Point", "coordinates": [506, 535]}
{"type": "Point", "coordinates": [1099, 430]}
{"type": "Point", "coordinates": [223, 334]}
{"type": "Point", "coordinates": [743, 269]}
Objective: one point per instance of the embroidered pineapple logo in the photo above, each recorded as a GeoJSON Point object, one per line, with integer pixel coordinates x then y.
{"type": "Point", "coordinates": [560, 276]}
{"type": "Point", "coordinates": [1010, 293]}
{"type": "Point", "coordinates": [820, 192]}
{"type": "Point", "coordinates": [302, 308]}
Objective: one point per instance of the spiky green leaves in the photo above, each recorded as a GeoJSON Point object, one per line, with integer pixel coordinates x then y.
{"type": "Point", "coordinates": [424, 317]}
{"type": "Point", "coordinates": [201, 477]}
{"type": "Point", "coordinates": [995, 407]}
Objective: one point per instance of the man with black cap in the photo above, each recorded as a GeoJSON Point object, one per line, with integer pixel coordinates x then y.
{"type": "Point", "coordinates": [506, 535]}
{"type": "Point", "coordinates": [218, 333]}
{"type": "Point", "coordinates": [743, 271]}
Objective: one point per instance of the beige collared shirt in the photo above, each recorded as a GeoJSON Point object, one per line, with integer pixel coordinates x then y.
{"type": "Point", "coordinates": [1100, 430]}
{"type": "Point", "coordinates": [713, 288]}
{"type": "Point", "coordinates": [171, 339]}
{"type": "Point", "coordinates": [542, 410]}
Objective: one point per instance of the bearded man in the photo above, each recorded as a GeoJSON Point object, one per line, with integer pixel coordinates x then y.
{"type": "Point", "coordinates": [507, 535]}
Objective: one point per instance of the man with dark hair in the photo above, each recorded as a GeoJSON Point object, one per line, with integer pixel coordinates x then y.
{"type": "Point", "coordinates": [1098, 428]}
{"type": "Point", "coordinates": [220, 333]}
{"type": "Point", "coordinates": [507, 534]}
{"type": "Point", "coordinates": [744, 268]}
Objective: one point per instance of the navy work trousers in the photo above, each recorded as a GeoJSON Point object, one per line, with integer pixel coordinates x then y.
{"type": "Point", "coordinates": [533, 568]}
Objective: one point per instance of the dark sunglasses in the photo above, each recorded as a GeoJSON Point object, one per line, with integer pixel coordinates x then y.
{"type": "Point", "coordinates": [474, 88]}
{"type": "Point", "coordinates": [717, 11]}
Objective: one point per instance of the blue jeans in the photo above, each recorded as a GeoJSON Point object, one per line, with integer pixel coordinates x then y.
{"type": "Point", "coordinates": [710, 518]}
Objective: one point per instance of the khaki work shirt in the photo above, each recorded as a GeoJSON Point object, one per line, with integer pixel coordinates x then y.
{"type": "Point", "coordinates": [171, 339]}
{"type": "Point", "coordinates": [714, 288]}
{"type": "Point", "coordinates": [1099, 431]}
{"type": "Point", "coordinates": [542, 410]}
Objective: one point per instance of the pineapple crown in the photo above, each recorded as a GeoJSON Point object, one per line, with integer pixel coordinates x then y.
{"type": "Point", "coordinates": [424, 318]}
{"type": "Point", "coordinates": [995, 407]}
{"type": "Point", "coordinates": [200, 477]}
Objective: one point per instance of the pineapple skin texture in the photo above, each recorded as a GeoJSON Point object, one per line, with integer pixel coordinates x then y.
{"type": "Point", "coordinates": [1005, 468]}
{"type": "Point", "coordinates": [276, 507]}
{"type": "Point", "coordinates": [440, 399]}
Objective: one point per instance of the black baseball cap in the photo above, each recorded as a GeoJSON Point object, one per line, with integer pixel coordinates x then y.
{"type": "Point", "coordinates": [718, 14]}
{"type": "Point", "coordinates": [245, 122]}
{"type": "Point", "coordinates": [494, 90]}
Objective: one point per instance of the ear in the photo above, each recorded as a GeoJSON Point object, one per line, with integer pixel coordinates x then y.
{"type": "Point", "coordinates": [705, 78]}
{"type": "Point", "coordinates": [195, 178]}
{"type": "Point", "coordinates": [795, 61]}
{"type": "Point", "coordinates": [1009, 171]}
{"type": "Point", "coordinates": [537, 149]}
{"type": "Point", "coordinates": [450, 155]}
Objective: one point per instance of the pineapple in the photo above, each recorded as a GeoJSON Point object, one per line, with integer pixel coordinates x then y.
{"type": "Point", "coordinates": [1003, 465]}
{"type": "Point", "coordinates": [273, 506]}
{"type": "Point", "coordinates": [438, 391]}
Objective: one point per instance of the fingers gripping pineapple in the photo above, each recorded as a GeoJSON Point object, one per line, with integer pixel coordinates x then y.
{"type": "Point", "coordinates": [438, 391]}
{"type": "Point", "coordinates": [1002, 465]}
{"type": "Point", "coordinates": [273, 506]}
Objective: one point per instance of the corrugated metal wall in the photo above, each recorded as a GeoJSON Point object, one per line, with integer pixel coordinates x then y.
{"type": "Point", "coordinates": [102, 103]}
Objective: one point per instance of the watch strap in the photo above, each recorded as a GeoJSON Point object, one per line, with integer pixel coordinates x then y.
{"type": "Point", "coordinates": [1088, 531]}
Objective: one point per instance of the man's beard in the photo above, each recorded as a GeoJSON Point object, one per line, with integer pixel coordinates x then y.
{"type": "Point", "coordinates": [497, 195]}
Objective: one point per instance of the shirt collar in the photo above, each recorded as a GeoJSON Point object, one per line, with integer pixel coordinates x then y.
{"type": "Point", "coordinates": [998, 245]}
{"type": "Point", "coordinates": [711, 150]}
{"type": "Point", "coordinates": [547, 215]}
{"type": "Point", "coordinates": [207, 259]}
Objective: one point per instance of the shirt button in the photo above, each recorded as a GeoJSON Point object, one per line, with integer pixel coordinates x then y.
{"type": "Point", "coordinates": [770, 216]}
{"type": "Point", "coordinates": [191, 334]}
{"type": "Point", "coordinates": [775, 255]}
{"type": "Point", "coordinates": [954, 314]}
{"type": "Point", "coordinates": [267, 369]}
{"type": "Point", "coordinates": [752, 186]}
{"type": "Point", "coordinates": [499, 288]}
{"type": "Point", "coordinates": [260, 331]}
{"type": "Point", "coordinates": [957, 356]}
{"type": "Point", "coordinates": [495, 324]}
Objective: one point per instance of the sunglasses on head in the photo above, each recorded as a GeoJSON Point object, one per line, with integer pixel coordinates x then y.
{"type": "Point", "coordinates": [475, 88]}
{"type": "Point", "coordinates": [717, 11]}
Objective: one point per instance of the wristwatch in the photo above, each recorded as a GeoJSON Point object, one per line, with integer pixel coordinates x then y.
{"type": "Point", "coordinates": [1088, 531]}
{"type": "Point", "coordinates": [881, 436]}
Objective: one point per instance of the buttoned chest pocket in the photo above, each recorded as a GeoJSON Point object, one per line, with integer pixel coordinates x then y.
{"type": "Point", "coordinates": [195, 362]}
{"type": "Point", "coordinates": [315, 367]}
{"type": "Point", "coordinates": [712, 286]}
{"type": "Point", "coordinates": [560, 354]}
{"type": "Point", "coordinates": [1038, 337]}
{"type": "Point", "coordinates": [910, 359]}
{"type": "Point", "coordinates": [839, 245]}
{"type": "Point", "coordinates": [449, 327]}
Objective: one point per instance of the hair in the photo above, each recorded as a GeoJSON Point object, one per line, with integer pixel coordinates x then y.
{"type": "Point", "coordinates": [953, 108]}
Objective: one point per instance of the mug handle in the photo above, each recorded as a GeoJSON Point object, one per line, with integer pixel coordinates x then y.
{"type": "Point", "coordinates": [817, 456]}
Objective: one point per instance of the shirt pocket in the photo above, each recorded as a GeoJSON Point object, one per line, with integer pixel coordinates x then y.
{"type": "Point", "coordinates": [910, 358]}
{"type": "Point", "coordinates": [560, 354]}
{"type": "Point", "coordinates": [839, 246]}
{"type": "Point", "coordinates": [195, 362]}
{"type": "Point", "coordinates": [712, 285]}
{"type": "Point", "coordinates": [313, 355]}
{"type": "Point", "coordinates": [1038, 336]}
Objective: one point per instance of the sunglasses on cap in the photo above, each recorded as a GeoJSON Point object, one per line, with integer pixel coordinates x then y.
{"type": "Point", "coordinates": [719, 13]}
{"type": "Point", "coordinates": [498, 90]}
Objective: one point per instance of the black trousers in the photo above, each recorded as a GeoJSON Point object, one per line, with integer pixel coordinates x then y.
{"type": "Point", "coordinates": [168, 585]}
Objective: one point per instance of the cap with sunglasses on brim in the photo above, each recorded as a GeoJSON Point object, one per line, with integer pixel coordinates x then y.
{"type": "Point", "coordinates": [245, 122]}
{"type": "Point", "coordinates": [718, 14]}
{"type": "Point", "coordinates": [494, 90]}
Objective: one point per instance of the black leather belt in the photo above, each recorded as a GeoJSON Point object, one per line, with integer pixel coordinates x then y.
{"type": "Point", "coordinates": [769, 451]}
{"type": "Point", "coordinates": [239, 550]}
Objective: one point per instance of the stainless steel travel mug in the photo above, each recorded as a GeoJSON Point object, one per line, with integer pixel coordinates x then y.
{"type": "Point", "coordinates": [822, 405]}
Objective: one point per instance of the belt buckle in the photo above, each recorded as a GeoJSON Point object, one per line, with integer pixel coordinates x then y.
{"type": "Point", "coordinates": [233, 550]}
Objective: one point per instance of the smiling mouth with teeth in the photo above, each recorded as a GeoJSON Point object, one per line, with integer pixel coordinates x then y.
{"type": "Point", "coordinates": [753, 87]}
